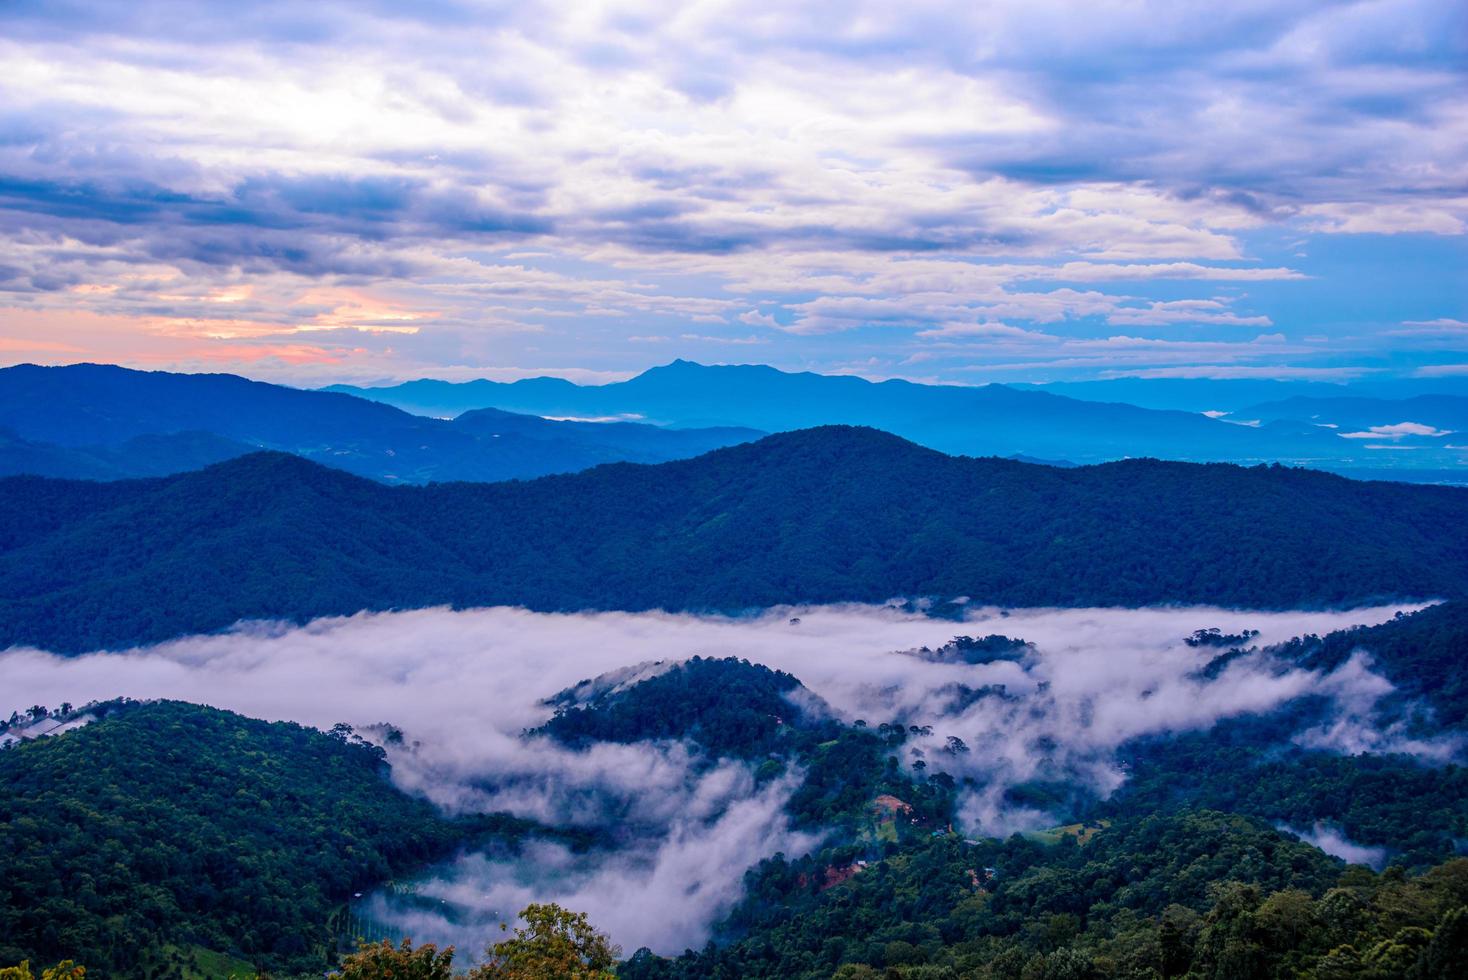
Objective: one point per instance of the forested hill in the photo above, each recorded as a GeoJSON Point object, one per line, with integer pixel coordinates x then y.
{"type": "Point", "coordinates": [825, 514]}
{"type": "Point", "coordinates": [168, 832]}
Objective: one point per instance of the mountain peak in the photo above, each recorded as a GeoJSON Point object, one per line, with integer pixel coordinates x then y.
{"type": "Point", "coordinates": [270, 466]}
{"type": "Point", "coordinates": [830, 448]}
{"type": "Point", "coordinates": [681, 367]}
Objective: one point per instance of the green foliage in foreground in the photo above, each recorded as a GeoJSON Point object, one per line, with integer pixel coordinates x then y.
{"type": "Point", "coordinates": [1201, 895]}
{"type": "Point", "coordinates": [384, 961]}
{"type": "Point", "coordinates": [553, 944]}
{"type": "Point", "coordinates": [170, 823]}
{"type": "Point", "coordinates": [65, 970]}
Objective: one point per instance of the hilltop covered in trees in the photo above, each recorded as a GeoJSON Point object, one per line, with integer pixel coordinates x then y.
{"type": "Point", "coordinates": [819, 515]}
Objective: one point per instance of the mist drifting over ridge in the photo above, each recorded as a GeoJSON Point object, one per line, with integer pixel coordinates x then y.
{"type": "Point", "coordinates": [464, 686]}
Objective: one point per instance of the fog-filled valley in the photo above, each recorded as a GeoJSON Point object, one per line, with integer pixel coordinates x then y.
{"type": "Point", "coordinates": [646, 812]}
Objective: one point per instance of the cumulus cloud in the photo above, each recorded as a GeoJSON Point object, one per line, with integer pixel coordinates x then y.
{"type": "Point", "coordinates": [757, 319]}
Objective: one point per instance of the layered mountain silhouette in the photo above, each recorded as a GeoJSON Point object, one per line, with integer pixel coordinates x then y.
{"type": "Point", "coordinates": [103, 422]}
{"type": "Point", "coordinates": [991, 420]}
{"type": "Point", "coordinates": [828, 514]}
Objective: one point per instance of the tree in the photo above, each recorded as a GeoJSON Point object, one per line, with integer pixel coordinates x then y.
{"type": "Point", "coordinates": [65, 970]}
{"type": "Point", "coordinates": [554, 944]}
{"type": "Point", "coordinates": [1447, 954]}
{"type": "Point", "coordinates": [189, 852]}
{"type": "Point", "coordinates": [381, 961]}
{"type": "Point", "coordinates": [1179, 932]}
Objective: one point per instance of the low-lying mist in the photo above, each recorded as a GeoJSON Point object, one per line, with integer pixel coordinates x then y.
{"type": "Point", "coordinates": [463, 686]}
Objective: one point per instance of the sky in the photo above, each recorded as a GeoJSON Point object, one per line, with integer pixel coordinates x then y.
{"type": "Point", "coordinates": [1005, 191]}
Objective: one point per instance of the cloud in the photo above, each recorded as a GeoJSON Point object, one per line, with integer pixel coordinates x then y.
{"type": "Point", "coordinates": [757, 319]}
{"type": "Point", "coordinates": [992, 330]}
{"type": "Point", "coordinates": [1397, 431]}
{"type": "Point", "coordinates": [737, 157]}
{"type": "Point", "coordinates": [735, 341]}
{"type": "Point", "coordinates": [1387, 219]}
{"type": "Point", "coordinates": [1442, 322]}
{"type": "Point", "coordinates": [660, 893]}
{"type": "Point", "coordinates": [1227, 371]}
{"type": "Point", "coordinates": [1114, 272]}
{"type": "Point", "coordinates": [1185, 311]}
{"type": "Point", "coordinates": [1330, 840]}
{"type": "Point", "coordinates": [464, 686]}
{"type": "Point", "coordinates": [930, 311]}
{"type": "Point", "coordinates": [1441, 329]}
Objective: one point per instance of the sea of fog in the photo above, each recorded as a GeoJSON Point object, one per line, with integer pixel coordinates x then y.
{"type": "Point", "coordinates": [464, 685]}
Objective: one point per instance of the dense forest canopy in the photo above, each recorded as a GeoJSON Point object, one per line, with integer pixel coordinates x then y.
{"type": "Point", "coordinates": [1157, 881]}
{"type": "Point", "coordinates": [166, 827]}
{"type": "Point", "coordinates": [819, 515]}
{"type": "Point", "coordinates": [1198, 895]}
{"type": "Point", "coordinates": [168, 840]}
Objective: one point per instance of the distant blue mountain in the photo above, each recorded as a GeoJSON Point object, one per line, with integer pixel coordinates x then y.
{"type": "Point", "coordinates": [1447, 413]}
{"type": "Point", "coordinates": [977, 421]}
{"type": "Point", "coordinates": [102, 422]}
{"type": "Point", "coordinates": [1234, 394]}
{"type": "Point", "coordinates": [145, 455]}
{"type": "Point", "coordinates": [1186, 394]}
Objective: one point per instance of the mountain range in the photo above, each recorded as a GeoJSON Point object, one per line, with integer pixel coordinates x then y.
{"type": "Point", "coordinates": [95, 421]}
{"type": "Point", "coordinates": [819, 515]}
{"type": "Point", "coordinates": [985, 420]}
{"type": "Point", "coordinates": [102, 422]}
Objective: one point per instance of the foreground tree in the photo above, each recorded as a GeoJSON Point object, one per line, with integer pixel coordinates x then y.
{"type": "Point", "coordinates": [65, 970]}
{"type": "Point", "coordinates": [554, 944]}
{"type": "Point", "coordinates": [381, 961]}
